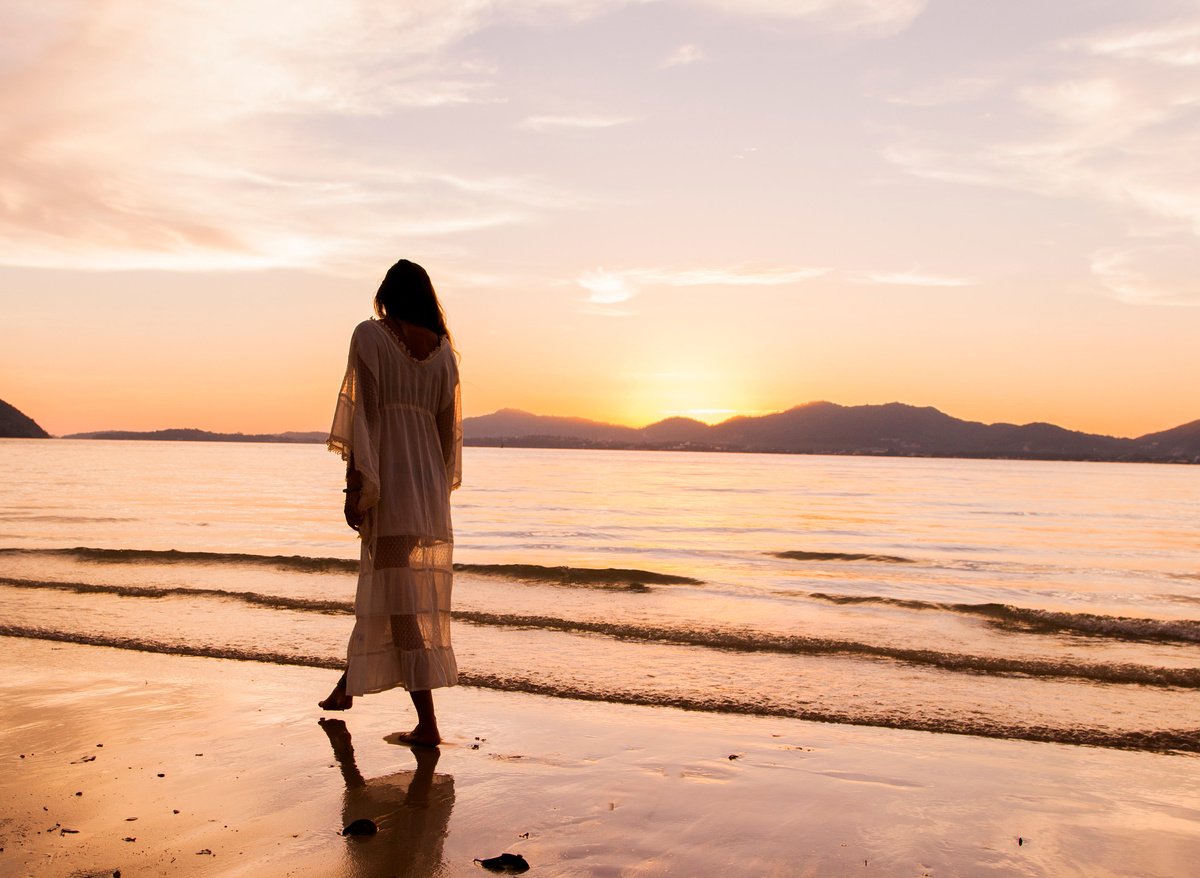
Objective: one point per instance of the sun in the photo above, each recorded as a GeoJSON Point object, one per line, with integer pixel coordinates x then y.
{"type": "Point", "coordinates": [697, 391]}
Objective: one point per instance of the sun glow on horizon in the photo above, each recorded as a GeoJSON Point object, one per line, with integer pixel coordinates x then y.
{"type": "Point", "coordinates": [708, 416]}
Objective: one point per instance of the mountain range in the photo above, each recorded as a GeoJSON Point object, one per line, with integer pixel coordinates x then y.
{"type": "Point", "coordinates": [894, 429]}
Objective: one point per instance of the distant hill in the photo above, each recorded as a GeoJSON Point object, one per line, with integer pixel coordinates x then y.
{"type": "Point", "coordinates": [15, 424]}
{"type": "Point", "coordinates": [192, 435]}
{"type": "Point", "coordinates": [1178, 443]}
{"type": "Point", "coordinates": [894, 429]}
{"type": "Point", "coordinates": [514, 423]}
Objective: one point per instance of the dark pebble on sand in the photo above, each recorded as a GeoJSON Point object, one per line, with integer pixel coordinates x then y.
{"type": "Point", "coordinates": [160, 774]}
{"type": "Point", "coordinates": [80, 793]}
{"type": "Point", "coordinates": [512, 863]}
{"type": "Point", "coordinates": [174, 810]}
{"type": "Point", "coordinates": [129, 838]}
{"type": "Point", "coordinates": [361, 826]}
{"type": "Point", "coordinates": [733, 756]}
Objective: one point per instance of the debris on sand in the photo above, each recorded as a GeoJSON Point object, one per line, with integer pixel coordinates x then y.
{"type": "Point", "coordinates": [361, 826]}
{"type": "Point", "coordinates": [512, 863]}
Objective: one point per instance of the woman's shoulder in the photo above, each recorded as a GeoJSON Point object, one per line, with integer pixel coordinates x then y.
{"type": "Point", "coordinates": [367, 332]}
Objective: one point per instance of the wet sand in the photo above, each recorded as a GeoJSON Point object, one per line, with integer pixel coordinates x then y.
{"type": "Point", "coordinates": [165, 765]}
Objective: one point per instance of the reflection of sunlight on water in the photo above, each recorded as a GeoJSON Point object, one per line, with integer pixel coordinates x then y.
{"type": "Point", "coordinates": [411, 810]}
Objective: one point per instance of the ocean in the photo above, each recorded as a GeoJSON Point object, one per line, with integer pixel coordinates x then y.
{"type": "Point", "coordinates": [1044, 601]}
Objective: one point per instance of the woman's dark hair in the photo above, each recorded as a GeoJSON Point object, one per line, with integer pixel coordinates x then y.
{"type": "Point", "coordinates": [407, 294]}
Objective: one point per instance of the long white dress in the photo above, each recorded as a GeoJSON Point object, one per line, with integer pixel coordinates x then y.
{"type": "Point", "coordinates": [401, 419]}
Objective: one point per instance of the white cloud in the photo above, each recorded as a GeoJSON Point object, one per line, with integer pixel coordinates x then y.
{"type": "Point", "coordinates": [1157, 274]}
{"type": "Point", "coordinates": [738, 277]}
{"type": "Point", "coordinates": [881, 17]}
{"type": "Point", "coordinates": [613, 287]}
{"type": "Point", "coordinates": [1102, 109]}
{"type": "Point", "coordinates": [909, 279]}
{"type": "Point", "coordinates": [686, 54]}
{"type": "Point", "coordinates": [1117, 143]}
{"type": "Point", "coordinates": [546, 123]}
{"type": "Point", "coordinates": [606, 287]}
{"type": "Point", "coordinates": [1103, 122]}
{"type": "Point", "coordinates": [1176, 44]}
{"type": "Point", "coordinates": [191, 135]}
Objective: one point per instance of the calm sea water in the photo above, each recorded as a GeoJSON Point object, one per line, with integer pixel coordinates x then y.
{"type": "Point", "coordinates": [1042, 601]}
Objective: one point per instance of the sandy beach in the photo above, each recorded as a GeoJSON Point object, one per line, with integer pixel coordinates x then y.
{"type": "Point", "coordinates": [164, 765]}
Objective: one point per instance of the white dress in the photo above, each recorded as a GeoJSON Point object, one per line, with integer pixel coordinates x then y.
{"type": "Point", "coordinates": [401, 418]}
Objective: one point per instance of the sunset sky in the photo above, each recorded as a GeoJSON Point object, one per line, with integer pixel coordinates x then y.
{"type": "Point", "coordinates": [631, 210]}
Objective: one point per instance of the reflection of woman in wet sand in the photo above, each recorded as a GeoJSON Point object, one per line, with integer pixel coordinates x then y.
{"type": "Point", "coordinates": [411, 809]}
{"type": "Point", "coordinates": [398, 425]}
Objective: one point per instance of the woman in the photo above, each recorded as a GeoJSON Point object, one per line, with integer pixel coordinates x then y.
{"type": "Point", "coordinates": [398, 426]}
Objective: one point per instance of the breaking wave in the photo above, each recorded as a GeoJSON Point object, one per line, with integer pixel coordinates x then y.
{"type": "Point", "coordinates": [1045, 621]}
{"type": "Point", "coordinates": [595, 577]}
{"type": "Point", "coordinates": [799, 555]}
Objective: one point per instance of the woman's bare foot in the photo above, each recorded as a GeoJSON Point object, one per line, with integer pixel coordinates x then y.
{"type": "Point", "coordinates": [419, 737]}
{"type": "Point", "coordinates": [338, 699]}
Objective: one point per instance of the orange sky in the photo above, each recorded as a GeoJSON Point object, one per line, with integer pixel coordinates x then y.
{"type": "Point", "coordinates": [631, 210]}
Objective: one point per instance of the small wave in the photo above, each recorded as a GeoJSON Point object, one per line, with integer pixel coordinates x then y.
{"type": "Point", "coordinates": [1180, 598]}
{"type": "Point", "coordinates": [595, 577]}
{"type": "Point", "coordinates": [603, 577]}
{"type": "Point", "coordinates": [140, 645]}
{"type": "Point", "coordinates": [174, 556]}
{"type": "Point", "coordinates": [786, 644]}
{"type": "Point", "coordinates": [1158, 741]}
{"type": "Point", "coordinates": [277, 602]}
{"type": "Point", "coordinates": [841, 556]}
{"type": "Point", "coordinates": [1046, 621]}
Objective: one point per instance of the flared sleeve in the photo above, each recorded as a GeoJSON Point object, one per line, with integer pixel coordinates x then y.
{"type": "Point", "coordinates": [355, 430]}
{"type": "Point", "coordinates": [449, 422]}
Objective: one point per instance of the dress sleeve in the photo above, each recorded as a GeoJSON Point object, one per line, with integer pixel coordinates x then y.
{"type": "Point", "coordinates": [355, 430]}
{"type": "Point", "coordinates": [449, 422]}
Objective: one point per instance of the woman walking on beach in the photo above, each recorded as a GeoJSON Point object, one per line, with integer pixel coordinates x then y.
{"type": "Point", "coordinates": [398, 426]}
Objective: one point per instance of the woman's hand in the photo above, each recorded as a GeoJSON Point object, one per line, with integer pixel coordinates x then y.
{"type": "Point", "coordinates": [354, 518]}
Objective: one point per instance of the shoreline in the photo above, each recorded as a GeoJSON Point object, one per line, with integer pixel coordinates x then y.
{"type": "Point", "coordinates": [225, 771]}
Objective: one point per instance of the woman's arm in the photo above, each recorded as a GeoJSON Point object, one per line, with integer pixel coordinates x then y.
{"type": "Point", "coordinates": [449, 426]}
{"type": "Point", "coordinates": [353, 490]}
